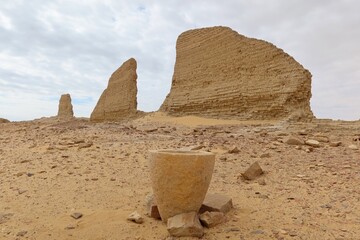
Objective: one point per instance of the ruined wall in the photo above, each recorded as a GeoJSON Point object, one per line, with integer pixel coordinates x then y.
{"type": "Point", "coordinates": [65, 110]}
{"type": "Point", "coordinates": [118, 101]}
{"type": "Point", "coordinates": [220, 73]}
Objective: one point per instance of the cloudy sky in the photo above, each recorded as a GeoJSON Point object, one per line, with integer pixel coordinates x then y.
{"type": "Point", "coordinates": [51, 47]}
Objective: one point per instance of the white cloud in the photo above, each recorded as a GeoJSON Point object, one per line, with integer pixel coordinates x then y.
{"type": "Point", "coordinates": [62, 46]}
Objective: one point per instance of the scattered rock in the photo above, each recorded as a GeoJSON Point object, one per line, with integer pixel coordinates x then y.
{"type": "Point", "coordinates": [321, 138]}
{"type": "Point", "coordinates": [258, 231]}
{"type": "Point", "coordinates": [253, 172]}
{"type": "Point", "coordinates": [185, 225]}
{"type": "Point", "coordinates": [234, 150]}
{"type": "Point", "coordinates": [21, 233]}
{"type": "Point", "coordinates": [335, 144]}
{"type": "Point", "coordinates": [135, 217]}
{"type": "Point", "coordinates": [265, 155]}
{"type": "Point", "coordinates": [85, 145]}
{"type": "Point", "coordinates": [70, 227]}
{"type": "Point", "coordinates": [262, 182]}
{"type": "Point", "coordinates": [4, 217]}
{"type": "Point", "coordinates": [20, 191]}
{"type": "Point", "coordinates": [353, 147]}
{"type": "Point", "coordinates": [312, 143]}
{"type": "Point", "coordinates": [291, 140]}
{"type": "Point", "coordinates": [194, 148]}
{"type": "Point", "coordinates": [76, 215]}
{"type": "Point", "coordinates": [216, 203]}
{"type": "Point", "coordinates": [211, 219]}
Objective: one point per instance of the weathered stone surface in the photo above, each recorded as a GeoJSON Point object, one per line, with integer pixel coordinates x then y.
{"type": "Point", "coordinates": [211, 219]}
{"type": "Point", "coordinates": [3, 120]}
{"type": "Point", "coordinates": [185, 225]}
{"type": "Point", "coordinates": [65, 107]}
{"type": "Point", "coordinates": [253, 171]}
{"type": "Point", "coordinates": [118, 101]}
{"type": "Point", "coordinates": [220, 73]}
{"type": "Point", "coordinates": [180, 180]}
{"type": "Point", "coordinates": [291, 140]}
{"type": "Point", "coordinates": [216, 203]}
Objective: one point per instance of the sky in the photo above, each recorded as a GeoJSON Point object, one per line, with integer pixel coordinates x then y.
{"type": "Point", "coordinates": [52, 47]}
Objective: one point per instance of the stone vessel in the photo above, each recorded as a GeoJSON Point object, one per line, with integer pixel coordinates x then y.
{"type": "Point", "coordinates": [180, 180]}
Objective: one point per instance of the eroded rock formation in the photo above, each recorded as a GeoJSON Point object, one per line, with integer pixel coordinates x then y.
{"type": "Point", "coordinates": [65, 107]}
{"type": "Point", "coordinates": [118, 101]}
{"type": "Point", "coordinates": [220, 73]}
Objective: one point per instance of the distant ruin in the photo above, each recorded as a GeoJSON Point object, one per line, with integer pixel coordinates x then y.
{"type": "Point", "coordinates": [118, 101]}
{"type": "Point", "coordinates": [65, 107]}
{"type": "Point", "coordinates": [222, 74]}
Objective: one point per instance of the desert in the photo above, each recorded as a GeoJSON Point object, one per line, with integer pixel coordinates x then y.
{"type": "Point", "coordinates": [268, 168]}
{"type": "Point", "coordinates": [51, 169]}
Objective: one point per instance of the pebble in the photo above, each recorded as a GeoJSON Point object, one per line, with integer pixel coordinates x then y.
{"type": "Point", "coordinates": [291, 140]}
{"type": "Point", "coordinates": [234, 150]}
{"type": "Point", "coordinates": [70, 227]}
{"type": "Point", "coordinates": [135, 217]}
{"type": "Point", "coordinates": [21, 233]}
{"type": "Point", "coordinates": [312, 143]}
{"type": "Point", "coordinates": [211, 219]}
{"type": "Point", "coordinates": [76, 215]}
{"type": "Point", "coordinates": [353, 147]}
{"type": "Point", "coordinates": [335, 144]}
{"type": "Point", "coordinates": [253, 172]}
{"type": "Point", "coordinates": [265, 155]}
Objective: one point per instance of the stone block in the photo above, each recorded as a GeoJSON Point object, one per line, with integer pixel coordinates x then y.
{"type": "Point", "coordinates": [211, 219]}
{"type": "Point", "coordinates": [185, 225]}
{"type": "Point", "coordinates": [216, 203]}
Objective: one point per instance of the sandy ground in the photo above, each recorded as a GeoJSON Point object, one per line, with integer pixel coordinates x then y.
{"type": "Point", "coordinates": [50, 169]}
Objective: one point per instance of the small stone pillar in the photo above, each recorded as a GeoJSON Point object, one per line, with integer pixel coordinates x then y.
{"type": "Point", "coordinates": [65, 107]}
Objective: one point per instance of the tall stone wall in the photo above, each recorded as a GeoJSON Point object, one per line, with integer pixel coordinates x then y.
{"type": "Point", "coordinates": [220, 73]}
{"type": "Point", "coordinates": [118, 101]}
{"type": "Point", "coordinates": [65, 110]}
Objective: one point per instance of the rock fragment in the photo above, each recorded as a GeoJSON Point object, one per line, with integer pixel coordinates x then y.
{"type": "Point", "coordinates": [151, 206]}
{"type": "Point", "coordinates": [312, 143]}
{"type": "Point", "coordinates": [216, 203]}
{"type": "Point", "coordinates": [335, 144]}
{"type": "Point", "coordinates": [234, 150]}
{"type": "Point", "coordinates": [76, 215]}
{"type": "Point", "coordinates": [185, 225]}
{"type": "Point", "coordinates": [353, 147]}
{"type": "Point", "coordinates": [292, 140]}
{"type": "Point", "coordinates": [211, 219]}
{"type": "Point", "coordinates": [252, 172]}
{"type": "Point", "coordinates": [135, 217]}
